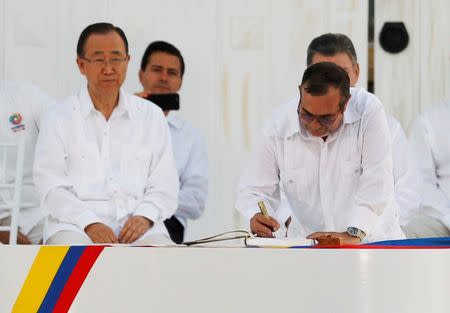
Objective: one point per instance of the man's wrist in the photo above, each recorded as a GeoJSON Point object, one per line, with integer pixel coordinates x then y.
{"type": "Point", "coordinates": [356, 232]}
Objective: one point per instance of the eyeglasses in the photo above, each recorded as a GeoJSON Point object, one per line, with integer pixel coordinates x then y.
{"type": "Point", "coordinates": [102, 62]}
{"type": "Point", "coordinates": [324, 120]}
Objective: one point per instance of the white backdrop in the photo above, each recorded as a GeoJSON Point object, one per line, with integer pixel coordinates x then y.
{"type": "Point", "coordinates": [243, 57]}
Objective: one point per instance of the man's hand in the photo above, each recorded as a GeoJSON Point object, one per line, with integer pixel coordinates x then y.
{"type": "Point", "coordinates": [142, 94]}
{"type": "Point", "coordinates": [346, 239]}
{"type": "Point", "coordinates": [100, 233]}
{"type": "Point", "coordinates": [263, 226]}
{"type": "Point", "coordinates": [21, 238]}
{"type": "Point", "coordinates": [134, 228]}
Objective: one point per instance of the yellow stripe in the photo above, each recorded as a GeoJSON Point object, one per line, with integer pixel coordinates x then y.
{"type": "Point", "coordinates": [39, 278]}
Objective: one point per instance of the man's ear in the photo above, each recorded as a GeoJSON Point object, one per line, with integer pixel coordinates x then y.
{"type": "Point", "coordinates": [81, 65]}
{"type": "Point", "coordinates": [346, 103]}
{"type": "Point", "coordinates": [141, 75]}
{"type": "Point", "coordinates": [357, 71]}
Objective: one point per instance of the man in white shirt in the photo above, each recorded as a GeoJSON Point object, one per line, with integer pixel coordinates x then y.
{"type": "Point", "coordinates": [429, 137]}
{"type": "Point", "coordinates": [333, 158]}
{"type": "Point", "coordinates": [162, 70]}
{"type": "Point", "coordinates": [339, 49]}
{"type": "Point", "coordinates": [21, 107]}
{"type": "Point", "coordinates": [104, 165]}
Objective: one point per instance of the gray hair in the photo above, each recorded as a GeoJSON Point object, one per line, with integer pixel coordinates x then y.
{"type": "Point", "coordinates": [330, 45]}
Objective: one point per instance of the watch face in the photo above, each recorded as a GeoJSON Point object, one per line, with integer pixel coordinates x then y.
{"type": "Point", "coordinates": [353, 231]}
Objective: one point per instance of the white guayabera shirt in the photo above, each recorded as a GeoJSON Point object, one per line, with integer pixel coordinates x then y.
{"type": "Point", "coordinates": [430, 140]}
{"type": "Point", "coordinates": [21, 108]}
{"type": "Point", "coordinates": [189, 151]}
{"type": "Point", "coordinates": [345, 181]}
{"type": "Point", "coordinates": [91, 170]}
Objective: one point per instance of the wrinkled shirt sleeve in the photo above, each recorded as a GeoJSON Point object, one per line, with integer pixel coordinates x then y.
{"type": "Point", "coordinates": [434, 200]}
{"type": "Point", "coordinates": [260, 181]}
{"type": "Point", "coordinates": [406, 175]}
{"type": "Point", "coordinates": [375, 191]}
{"type": "Point", "coordinates": [194, 183]}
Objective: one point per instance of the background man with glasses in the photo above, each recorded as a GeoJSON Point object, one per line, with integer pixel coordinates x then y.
{"type": "Point", "coordinates": [104, 165]}
{"type": "Point", "coordinates": [333, 159]}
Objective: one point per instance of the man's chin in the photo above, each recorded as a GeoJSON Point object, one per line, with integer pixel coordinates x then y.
{"type": "Point", "coordinates": [318, 133]}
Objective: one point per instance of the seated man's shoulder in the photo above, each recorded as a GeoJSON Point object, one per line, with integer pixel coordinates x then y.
{"type": "Point", "coordinates": [145, 108]}
{"type": "Point", "coordinates": [363, 102]}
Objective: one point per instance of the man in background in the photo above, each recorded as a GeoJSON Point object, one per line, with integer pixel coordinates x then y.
{"type": "Point", "coordinates": [162, 70]}
{"type": "Point", "coordinates": [21, 108]}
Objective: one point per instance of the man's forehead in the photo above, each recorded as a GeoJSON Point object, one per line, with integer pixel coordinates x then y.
{"type": "Point", "coordinates": [105, 43]}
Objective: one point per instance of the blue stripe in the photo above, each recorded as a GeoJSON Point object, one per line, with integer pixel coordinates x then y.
{"type": "Point", "coordinates": [61, 277]}
{"type": "Point", "coordinates": [419, 242]}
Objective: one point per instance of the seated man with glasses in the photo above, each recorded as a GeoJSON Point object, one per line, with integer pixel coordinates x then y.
{"type": "Point", "coordinates": [331, 151]}
{"type": "Point", "coordinates": [104, 165]}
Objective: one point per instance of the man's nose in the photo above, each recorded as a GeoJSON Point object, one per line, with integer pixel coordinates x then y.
{"type": "Point", "coordinates": [164, 76]}
{"type": "Point", "coordinates": [315, 123]}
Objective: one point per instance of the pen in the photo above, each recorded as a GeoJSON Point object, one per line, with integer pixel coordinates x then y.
{"type": "Point", "coordinates": [264, 211]}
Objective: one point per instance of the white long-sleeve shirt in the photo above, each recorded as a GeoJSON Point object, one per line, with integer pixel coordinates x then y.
{"type": "Point", "coordinates": [192, 165]}
{"type": "Point", "coordinates": [345, 181]}
{"type": "Point", "coordinates": [406, 173]}
{"type": "Point", "coordinates": [91, 170]}
{"type": "Point", "coordinates": [28, 102]}
{"type": "Point", "coordinates": [429, 137]}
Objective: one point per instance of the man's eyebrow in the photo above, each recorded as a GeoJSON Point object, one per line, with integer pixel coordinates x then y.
{"type": "Point", "coordinates": [101, 52]}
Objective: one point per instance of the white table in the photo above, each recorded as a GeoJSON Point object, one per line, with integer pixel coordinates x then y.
{"type": "Point", "coordinates": [139, 279]}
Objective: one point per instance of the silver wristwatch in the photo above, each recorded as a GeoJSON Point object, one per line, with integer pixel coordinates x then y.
{"type": "Point", "coordinates": [356, 232]}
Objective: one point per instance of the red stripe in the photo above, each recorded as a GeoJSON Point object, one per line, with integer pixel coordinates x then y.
{"type": "Point", "coordinates": [364, 247]}
{"type": "Point", "coordinates": [77, 278]}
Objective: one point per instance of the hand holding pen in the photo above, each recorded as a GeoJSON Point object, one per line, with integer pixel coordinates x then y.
{"type": "Point", "coordinates": [262, 223]}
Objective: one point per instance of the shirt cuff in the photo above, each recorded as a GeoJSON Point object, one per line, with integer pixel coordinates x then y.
{"type": "Point", "coordinates": [86, 219]}
{"type": "Point", "coordinates": [363, 219]}
{"type": "Point", "coordinates": [148, 212]}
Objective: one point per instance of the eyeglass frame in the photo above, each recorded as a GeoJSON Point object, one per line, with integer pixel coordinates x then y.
{"type": "Point", "coordinates": [323, 120]}
{"type": "Point", "coordinates": [103, 62]}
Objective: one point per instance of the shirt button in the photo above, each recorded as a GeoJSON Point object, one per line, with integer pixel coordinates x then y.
{"type": "Point", "coordinates": [290, 181]}
{"type": "Point", "coordinates": [288, 138]}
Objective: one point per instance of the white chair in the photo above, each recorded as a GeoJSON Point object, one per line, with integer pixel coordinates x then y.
{"type": "Point", "coordinates": [12, 203]}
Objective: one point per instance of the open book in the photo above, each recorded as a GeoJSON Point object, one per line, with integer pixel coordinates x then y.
{"type": "Point", "coordinates": [250, 240]}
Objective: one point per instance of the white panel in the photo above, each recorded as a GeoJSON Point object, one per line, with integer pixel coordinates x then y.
{"type": "Point", "coordinates": [409, 82]}
{"type": "Point", "coordinates": [396, 80]}
{"type": "Point", "coordinates": [434, 52]}
{"type": "Point", "coordinates": [2, 39]}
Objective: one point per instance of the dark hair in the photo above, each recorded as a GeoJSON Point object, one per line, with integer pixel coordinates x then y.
{"type": "Point", "coordinates": [330, 45]}
{"type": "Point", "coordinates": [161, 46]}
{"type": "Point", "coordinates": [320, 76]}
{"type": "Point", "coordinates": [99, 28]}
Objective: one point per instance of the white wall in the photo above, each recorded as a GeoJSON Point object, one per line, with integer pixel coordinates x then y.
{"type": "Point", "coordinates": [419, 77]}
{"type": "Point", "coordinates": [243, 57]}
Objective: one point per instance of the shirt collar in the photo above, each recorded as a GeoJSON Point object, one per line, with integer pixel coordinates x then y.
{"type": "Point", "coordinates": [351, 115]}
{"type": "Point", "coordinates": [123, 107]}
{"type": "Point", "coordinates": [174, 121]}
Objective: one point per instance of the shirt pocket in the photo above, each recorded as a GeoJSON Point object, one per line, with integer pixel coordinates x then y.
{"type": "Point", "coordinates": [295, 186]}
{"type": "Point", "coordinates": [135, 165]}
{"type": "Point", "coordinates": [84, 161]}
